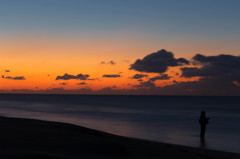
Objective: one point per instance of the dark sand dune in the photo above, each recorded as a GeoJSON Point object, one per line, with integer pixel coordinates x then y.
{"type": "Point", "coordinates": [34, 139]}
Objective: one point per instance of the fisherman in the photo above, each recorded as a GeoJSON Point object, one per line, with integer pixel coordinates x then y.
{"type": "Point", "coordinates": [203, 122]}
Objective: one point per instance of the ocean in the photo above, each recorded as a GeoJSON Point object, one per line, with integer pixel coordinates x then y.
{"type": "Point", "coordinates": [170, 119]}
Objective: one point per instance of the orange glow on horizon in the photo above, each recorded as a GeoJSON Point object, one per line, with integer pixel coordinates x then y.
{"type": "Point", "coordinates": [41, 60]}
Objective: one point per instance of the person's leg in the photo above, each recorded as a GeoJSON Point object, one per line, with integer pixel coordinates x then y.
{"type": "Point", "coordinates": [203, 129]}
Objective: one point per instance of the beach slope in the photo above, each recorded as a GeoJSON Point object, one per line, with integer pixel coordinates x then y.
{"type": "Point", "coordinates": [28, 138]}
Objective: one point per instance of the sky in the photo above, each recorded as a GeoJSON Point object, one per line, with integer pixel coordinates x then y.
{"type": "Point", "coordinates": [147, 47]}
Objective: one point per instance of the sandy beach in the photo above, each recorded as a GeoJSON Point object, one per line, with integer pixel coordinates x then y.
{"type": "Point", "coordinates": [28, 138]}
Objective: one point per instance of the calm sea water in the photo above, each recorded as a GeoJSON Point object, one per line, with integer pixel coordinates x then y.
{"type": "Point", "coordinates": [171, 119]}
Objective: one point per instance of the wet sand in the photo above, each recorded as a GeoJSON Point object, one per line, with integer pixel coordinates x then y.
{"type": "Point", "coordinates": [28, 139]}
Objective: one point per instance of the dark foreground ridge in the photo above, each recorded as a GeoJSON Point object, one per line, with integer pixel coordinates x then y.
{"type": "Point", "coordinates": [28, 139]}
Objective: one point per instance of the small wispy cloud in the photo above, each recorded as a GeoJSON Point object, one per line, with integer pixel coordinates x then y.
{"type": "Point", "coordinates": [109, 62]}
{"type": "Point", "coordinates": [14, 78]}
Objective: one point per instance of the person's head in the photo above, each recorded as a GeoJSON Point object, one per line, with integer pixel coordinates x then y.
{"type": "Point", "coordinates": [203, 113]}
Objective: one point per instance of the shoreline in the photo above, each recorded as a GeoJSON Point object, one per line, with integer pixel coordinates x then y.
{"type": "Point", "coordinates": [31, 138]}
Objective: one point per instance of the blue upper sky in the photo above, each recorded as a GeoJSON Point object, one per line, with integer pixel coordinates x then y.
{"type": "Point", "coordinates": [196, 23]}
{"type": "Point", "coordinates": [208, 17]}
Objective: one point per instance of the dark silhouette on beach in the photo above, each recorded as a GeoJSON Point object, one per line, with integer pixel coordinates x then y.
{"type": "Point", "coordinates": [203, 122]}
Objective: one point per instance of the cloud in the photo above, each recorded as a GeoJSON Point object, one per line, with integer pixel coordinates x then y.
{"type": "Point", "coordinates": [109, 62]}
{"type": "Point", "coordinates": [205, 86]}
{"type": "Point", "coordinates": [111, 75]}
{"type": "Point", "coordinates": [174, 81]}
{"type": "Point", "coordinates": [69, 77]}
{"type": "Point", "coordinates": [219, 73]}
{"type": "Point", "coordinates": [236, 83]}
{"type": "Point", "coordinates": [106, 89]}
{"type": "Point", "coordinates": [7, 70]}
{"type": "Point", "coordinates": [82, 83]}
{"type": "Point", "coordinates": [157, 62]}
{"type": "Point", "coordinates": [195, 71]}
{"type": "Point", "coordinates": [214, 66]}
{"type": "Point", "coordinates": [14, 78]}
{"type": "Point", "coordinates": [139, 76]}
{"type": "Point", "coordinates": [114, 86]}
{"type": "Point", "coordinates": [150, 83]}
{"type": "Point", "coordinates": [221, 70]}
{"type": "Point", "coordinates": [147, 84]}
{"type": "Point", "coordinates": [162, 77]}
{"type": "Point", "coordinates": [92, 79]}
{"type": "Point", "coordinates": [63, 83]}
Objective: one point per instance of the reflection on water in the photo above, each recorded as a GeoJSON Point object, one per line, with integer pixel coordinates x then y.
{"type": "Point", "coordinates": [203, 144]}
{"type": "Point", "coordinates": [171, 120]}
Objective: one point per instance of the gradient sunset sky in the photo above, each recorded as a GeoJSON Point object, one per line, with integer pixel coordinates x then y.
{"type": "Point", "coordinates": [157, 47]}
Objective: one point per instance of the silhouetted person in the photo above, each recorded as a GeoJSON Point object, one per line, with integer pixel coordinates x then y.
{"type": "Point", "coordinates": [203, 122]}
